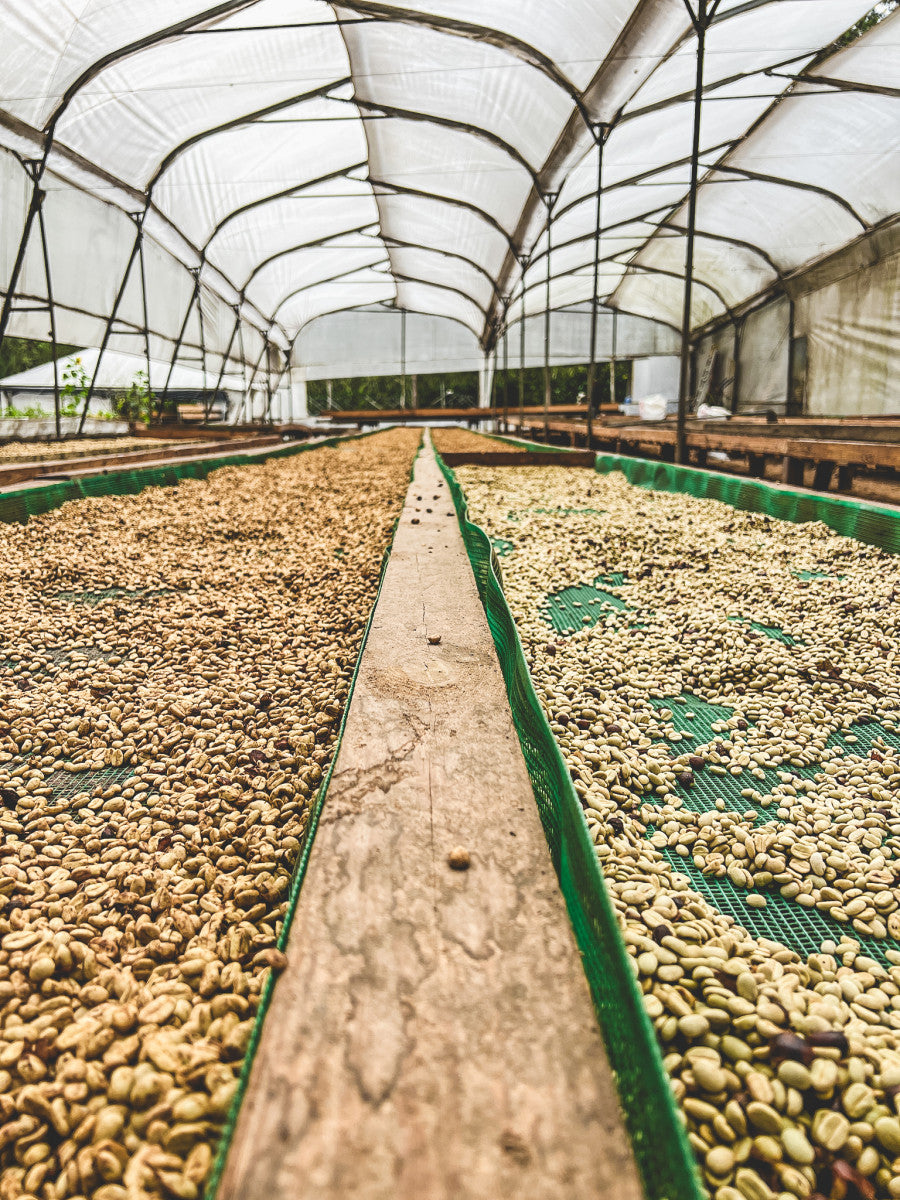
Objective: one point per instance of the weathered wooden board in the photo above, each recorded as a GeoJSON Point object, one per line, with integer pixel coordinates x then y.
{"type": "Point", "coordinates": [514, 457]}
{"type": "Point", "coordinates": [432, 1037]}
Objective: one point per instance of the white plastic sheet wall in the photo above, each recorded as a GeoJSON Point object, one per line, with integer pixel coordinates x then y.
{"type": "Point", "coordinates": [853, 342]}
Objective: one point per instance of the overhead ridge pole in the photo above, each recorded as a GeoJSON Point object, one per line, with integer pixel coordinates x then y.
{"type": "Point", "coordinates": [146, 312]}
{"type": "Point", "coordinates": [549, 200]}
{"type": "Point", "coordinates": [599, 131]}
{"type": "Point", "coordinates": [54, 348]}
{"type": "Point", "coordinates": [107, 333]}
{"type": "Point", "coordinates": [700, 20]}
{"type": "Point", "coordinates": [195, 271]}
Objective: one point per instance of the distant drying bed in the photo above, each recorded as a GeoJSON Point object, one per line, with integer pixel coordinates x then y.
{"type": "Point", "coordinates": [44, 451]}
{"type": "Point", "coordinates": [724, 688]}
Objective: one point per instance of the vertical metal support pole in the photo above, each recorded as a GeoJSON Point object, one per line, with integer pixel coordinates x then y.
{"type": "Point", "coordinates": [522, 368]}
{"type": "Point", "coordinates": [107, 333]}
{"type": "Point", "coordinates": [736, 380]}
{"type": "Point", "coordinates": [495, 383]}
{"type": "Point", "coordinates": [268, 415]}
{"type": "Point", "coordinates": [600, 136]}
{"type": "Point", "coordinates": [181, 333]}
{"type": "Point", "coordinates": [237, 321]}
{"type": "Point", "coordinates": [146, 312]}
{"type": "Point", "coordinates": [505, 375]}
{"type": "Point", "coordinates": [243, 358]}
{"type": "Point", "coordinates": [612, 359]}
{"type": "Point", "coordinates": [253, 375]}
{"type": "Point", "coordinates": [701, 22]}
{"type": "Point", "coordinates": [202, 333]}
{"type": "Point", "coordinates": [547, 384]}
{"type": "Point", "coordinates": [52, 310]}
{"type": "Point", "coordinates": [403, 358]}
{"type": "Point", "coordinates": [789, 393]}
{"type": "Point", "coordinates": [35, 172]}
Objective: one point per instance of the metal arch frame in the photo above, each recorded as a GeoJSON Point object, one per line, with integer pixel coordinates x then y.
{"type": "Point", "coordinates": [311, 245]}
{"type": "Point", "coordinates": [283, 194]}
{"type": "Point", "coordinates": [224, 9]}
{"type": "Point", "coordinates": [486, 135]}
{"type": "Point", "coordinates": [34, 168]}
{"type": "Point", "coordinates": [308, 287]}
{"type": "Point", "coordinates": [727, 308]}
{"type": "Point", "coordinates": [391, 14]}
{"type": "Point", "coordinates": [641, 177]}
{"type": "Point", "coordinates": [389, 276]}
{"type": "Point", "coordinates": [403, 190]}
{"type": "Point", "coordinates": [642, 219]}
{"type": "Point", "coordinates": [388, 242]}
{"type": "Point", "coordinates": [399, 244]}
{"type": "Point", "coordinates": [386, 306]}
{"type": "Point", "coordinates": [195, 295]}
{"type": "Point", "coordinates": [49, 130]}
{"type": "Point", "coordinates": [444, 287]}
{"type": "Point", "coordinates": [207, 408]}
{"type": "Point", "coordinates": [239, 122]}
{"type": "Point", "coordinates": [572, 307]}
{"type": "Point", "coordinates": [800, 185]}
{"type": "Point", "coordinates": [484, 34]}
{"type": "Point", "coordinates": [522, 292]}
{"type": "Point", "coordinates": [138, 219]}
{"type": "Point", "coordinates": [711, 15]}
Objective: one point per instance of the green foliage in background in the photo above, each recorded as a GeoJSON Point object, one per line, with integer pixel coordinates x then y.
{"type": "Point", "coordinates": [137, 403]}
{"type": "Point", "coordinates": [21, 354]}
{"type": "Point", "coordinates": [460, 389]}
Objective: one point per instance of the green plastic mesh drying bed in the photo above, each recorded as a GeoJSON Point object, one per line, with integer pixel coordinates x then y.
{"type": "Point", "coordinates": [300, 867]}
{"type": "Point", "coordinates": [657, 1139]}
{"type": "Point", "coordinates": [18, 506]}
{"type": "Point", "coordinates": [661, 1150]}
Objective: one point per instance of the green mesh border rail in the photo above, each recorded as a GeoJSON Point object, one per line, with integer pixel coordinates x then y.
{"type": "Point", "coordinates": [852, 518]}
{"type": "Point", "coordinates": [34, 501]}
{"type": "Point", "coordinates": [661, 1150]}
{"type": "Point", "coordinates": [309, 835]}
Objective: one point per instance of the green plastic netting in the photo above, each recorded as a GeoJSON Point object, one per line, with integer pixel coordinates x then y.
{"type": "Point", "coordinates": [802, 929]}
{"type": "Point", "coordinates": [18, 506]}
{"type": "Point", "coordinates": [866, 522]}
{"type": "Point", "coordinates": [661, 1149]}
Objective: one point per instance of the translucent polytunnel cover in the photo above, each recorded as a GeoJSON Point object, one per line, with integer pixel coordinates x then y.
{"type": "Point", "coordinates": [226, 174]}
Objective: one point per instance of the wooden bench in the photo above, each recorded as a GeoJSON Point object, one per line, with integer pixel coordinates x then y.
{"type": "Point", "coordinates": [757, 442]}
{"type": "Point", "coordinates": [191, 414]}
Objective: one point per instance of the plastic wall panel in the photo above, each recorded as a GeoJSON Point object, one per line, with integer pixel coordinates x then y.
{"type": "Point", "coordinates": [853, 343]}
{"type": "Point", "coordinates": [764, 359]}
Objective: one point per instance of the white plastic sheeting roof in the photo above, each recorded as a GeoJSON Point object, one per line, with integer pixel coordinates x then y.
{"type": "Point", "coordinates": [304, 158]}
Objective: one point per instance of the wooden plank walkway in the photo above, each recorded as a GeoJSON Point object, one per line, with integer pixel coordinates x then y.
{"type": "Point", "coordinates": [432, 1036]}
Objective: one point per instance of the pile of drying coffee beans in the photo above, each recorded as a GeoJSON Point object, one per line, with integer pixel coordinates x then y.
{"type": "Point", "coordinates": [173, 670]}
{"type": "Point", "coordinates": [786, 1064]}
